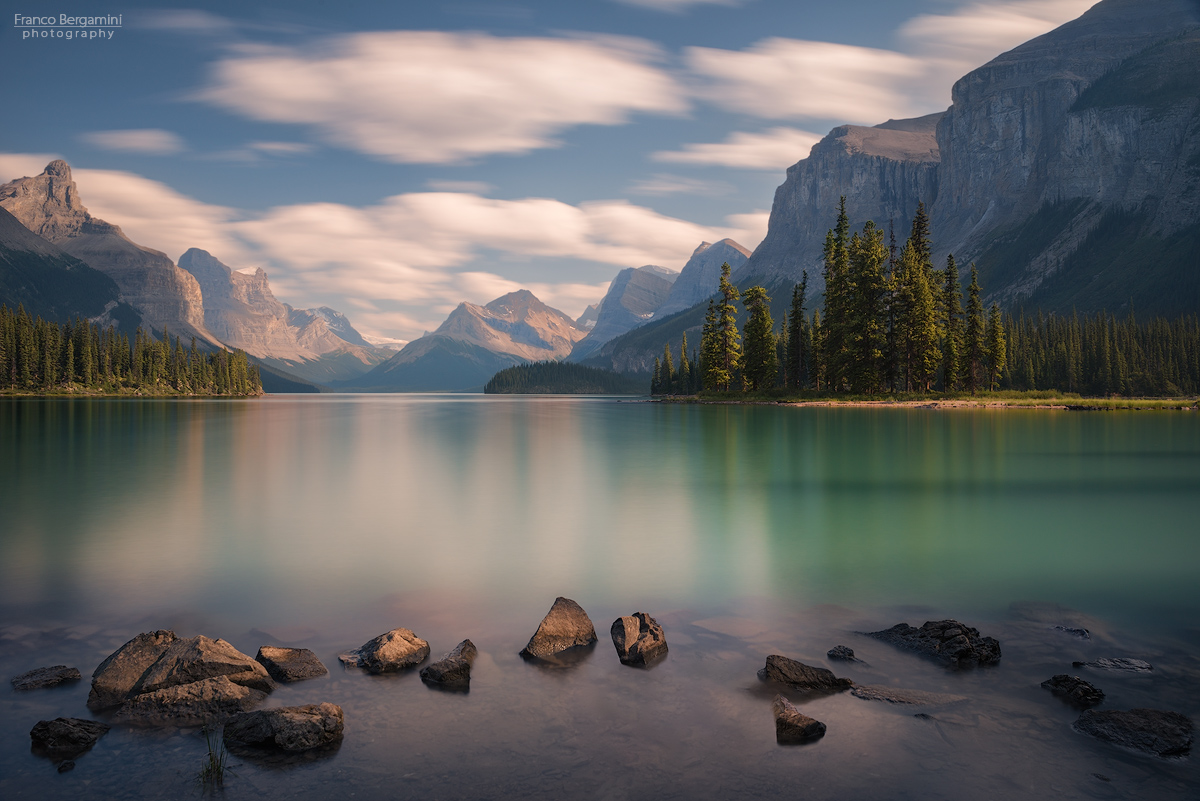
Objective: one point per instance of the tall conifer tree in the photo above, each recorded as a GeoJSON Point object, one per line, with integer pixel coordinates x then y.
{"type": "Point", "coordinates": [760, 366]}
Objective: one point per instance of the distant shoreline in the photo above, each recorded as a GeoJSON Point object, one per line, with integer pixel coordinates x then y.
{"type": "Point", "coordinates": [1050, 404]}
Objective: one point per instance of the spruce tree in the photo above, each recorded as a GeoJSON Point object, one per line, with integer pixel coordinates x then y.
{"type": "Point", "coordinates": [683, 375]}
{"type": "Point", "coordinates": [666, 376]}
{"type": "Point", "coordinates": [797, 370]}
{"type": "Point", "coordinates": [865, 335]}
{"type": "Point", "coordinates": [760, 366]}
{"type": "Point", "coordinates": [973, 351]}
{"type": "Point", "coordinates": [952, 323]}
{"type": "Point", "coordinates": [726, 359]}
{"type": "Point", "coordinates": [656, 378]}
{"type": "Point", "coordinates": [996, 346]}
{"type": "Point", "coordinates": [917, 322]}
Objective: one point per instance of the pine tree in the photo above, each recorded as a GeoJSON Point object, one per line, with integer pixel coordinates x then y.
{"type": "Point", "coordinates": [996, 347]}
{"type": "Point", "coordinates": [797, 371]}
{"type": "Point", "coordinates": [656, 378]}
{"type": "Point", "coordinates": [917, 322]}
{"type": "Point", "coordinates": [683, 376]}
{"type": "Point", "coordinates": [952, 324]}
{"type": "Point", "coordinates": [865, 335]}
{"type": "Point", "coordinates": [726, 360]}
{"type": "Point", "coordinates": [974, 346]}
{"type": "Point", "coordinates": [666, 376]}
{"type": "Point", "coordinates": [834, 357]}
{"type": "Point", "coordinates": [760, 366]}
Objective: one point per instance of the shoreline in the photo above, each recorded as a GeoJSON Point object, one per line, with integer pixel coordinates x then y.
{"type": "Point", "coordinates": [1047, 404]}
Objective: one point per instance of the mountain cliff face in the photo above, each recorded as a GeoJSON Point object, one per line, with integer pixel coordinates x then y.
{"type": "Point", "coordinates": [473, 344]}
{"type": "Point", "coordinates": [699, 278]}
{"type": "Point", "coordinates": [633, 298]}
{"type": "Point", "coordinates": [166, 296]}
{"type": "Point", "coordinates": [241, 311]}
{"type": "Point", "coordinates": [1068, 168]}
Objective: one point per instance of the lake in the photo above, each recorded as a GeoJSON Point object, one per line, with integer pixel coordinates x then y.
{"type": "Point", "coordinates": [322, 521]}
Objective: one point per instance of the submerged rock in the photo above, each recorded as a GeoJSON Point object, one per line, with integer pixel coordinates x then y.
{"type": "Point", "coordinates": [565, 626]}
{"type": "Point", "coordinates": [892, 695]}
{"type": "Point", "coordinates": [191, 704]}
{"type": "Point", "coordinates": [66, 738]}
{"type": "Point", "coordinates": [1121, 665]}
{"type": "Point", "coordinates": [639, 640]}
{"type": "Point", "coordinates": [792, 726]}
{"type": "Point", "coordinates": [290, 728]}
{"type": "Point", "coordinates": [115, 678]}
{"type": "Point", "coordinates": [1074, 689]}
{"type": "Point", "coordinates": [952, 643]}
{"type": "Point", "coordinates": [290, 664]}
{"type": "Point", "coordinates": [453, 671]}
{"type": "Point", "coordinates": [802, 676]}
{"type": "Point", "coordinates": [1151, 731]}
{"type": "Point", "coordinates": [40, 678]}
{"type": "Point", "coordinates": [398, 649]}
{"type": "Point", "coordinates": [843, 653]}
{"type": "Point", "coordinates": [1081, 633]}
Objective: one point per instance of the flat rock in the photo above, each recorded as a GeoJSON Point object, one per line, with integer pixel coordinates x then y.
{"type": "Point", "coordinates": [290, 664]}
{"type": "Point", "coordinates": [454, 669]}
{"type": "Point", "coordinates": [1121, 665]}
{"type": "Point", "coordinates": [289, 728]}
{"type": "Point", "coordinates": [1074, 689]}
{"type": "Point", "coordinates": [199, 658]}
{"type": "Point", "coordinates": [952, 643]}
{"type": "Point", "coordinates": [792, 726]}
{"type": "Point", "coordinates": [565, 626]}
{"type": "Point", "coordinates": [40, 678]}
{"type": "Point", "coordinates": [892, 695]}
{"type": "Point", "coordinates": [116, 676]}
{"type": "Point", "coordinates": [66, 738]}
{"type": "Point", "coordinates": [192, 704]}
{"type": "Point", "coordinates": [1151, 731]}
{"type": "Point", "coordinates": [398, 649]}
{"type": "Point", "coordinates": [1081, 633]}
{"type": "Point", "coordinates": [843, 653]}
{"type": "Point", "coordinates": [639, 640]}
{"type": "Point", "coordinates": [802, 676]}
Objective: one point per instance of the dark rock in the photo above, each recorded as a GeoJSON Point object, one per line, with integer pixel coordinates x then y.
{"type": "Point", "coordinates": [398, 649]}
{"type": "Point", "coordinates": [1120, 665]}
{"type": "Point", "coordinates": [66, 766]}
{"type": "Point", "coordinates": [1074, 689]}
{"type": "Point", "coordinates": [565, 626]}
{"type": "Point", "coordinates": [454, 669]}
{"type": "Point", "coordinates": [116, 676]}
{"type": "Point", "coordinates": [892, 695]}
{"type": "Point", "coordinates": [802, 676]}
{"type": "Point", "coordinates": [792, 726]}
{"type": "Point", "coordinates": [66, 738]}
{"type": "Point", "coordinates": [1151, 731]}
{"type": "Point", "coordinates": [291, 728]}
{"type": "Point", "coordinates": [1082, 634]}
{"type": "Point", "coordinates": [192, 704]}
{"type": "Point", "coordinates": [40, 678]}
{"type": "Point", "coordinates": [843, 653]}
{"type": "Point", "coordinates": [199, 658]}
{"type": "Point", "coordinates": [639, 639]}
{"type": "Point", "coordinates": [290, 664]}
{"type": "Point", "coordinates": [948, 641]}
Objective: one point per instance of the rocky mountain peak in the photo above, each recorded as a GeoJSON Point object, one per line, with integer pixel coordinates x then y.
{"type": "Point", "coordinates": [47, 204]}
{"type": "Point", "coordinates": [703, 246]}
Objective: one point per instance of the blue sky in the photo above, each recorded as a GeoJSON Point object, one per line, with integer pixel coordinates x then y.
{"type": "Point", "coordinates": [391, 159]}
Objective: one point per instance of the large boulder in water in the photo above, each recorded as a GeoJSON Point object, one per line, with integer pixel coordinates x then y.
{"type": "Point", "coordinates": [453, 671]}
{"type": "Point", "coordinates": [639, 640]}
{"type": "Point", "coordinates": [1151, 731]}
{"type": "Point", "coordinates": [193, 704]}
{"type": "Point", "coordinates": [398, 649]}
{"type": "Point", "coordinates": [802, 676]}
{"type": "Point", "coordinates": [952, 643]}
{"type": "Point", "coordinates": [115, 678]}
{"type": "Point", "coordinates": [290, 664]}
{"type": "Point", "coordinates": [1074, 689]}
{"type": "Point", "coordinates": [290, 728]}
{"type": "Point", "coordinates": [565, 626]}
{"type": "Point", "coordinates": [66, 738]}
{"type": "Point", "coordinates": [43, 677]}
{"type": "Point", "coordinates": [199, 658]}
{"type": "Point", "coordinates": [792, 726]}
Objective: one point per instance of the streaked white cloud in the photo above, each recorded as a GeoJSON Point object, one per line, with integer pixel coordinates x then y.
{"type": "Point", "coordinates": [661, 184]}
{"type": "Point", "coordinates": [433, 97]}
{"type": "Point", "coordinates": [282, 148]}
{"type": "Point", "coordinates": [151, 141]}
{"type": "Point", "coordinates": [677, 6]}
{"type": "Point", "coordinates": [774, 149]}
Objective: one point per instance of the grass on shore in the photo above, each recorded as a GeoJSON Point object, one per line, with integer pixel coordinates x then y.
{"type": "Point", "coordinates": [1010, 398]}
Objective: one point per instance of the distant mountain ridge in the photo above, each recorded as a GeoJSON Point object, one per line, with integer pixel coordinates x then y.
{"type": "Point", "coordinates": [633, 298]}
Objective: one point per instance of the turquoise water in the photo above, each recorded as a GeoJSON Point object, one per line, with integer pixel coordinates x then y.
{"type": "Point", "coordinates": [323, 521]}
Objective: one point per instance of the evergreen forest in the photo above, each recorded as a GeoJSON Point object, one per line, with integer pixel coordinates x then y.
{"type": "Point", "coordinates": [562, 378]}
{"type": "Point", "coordinates": [38, 356]}
{"type": "Point", "coordinates": [892, 322]}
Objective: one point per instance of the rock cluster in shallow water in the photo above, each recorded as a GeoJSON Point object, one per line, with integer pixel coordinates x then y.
{"type": "Point", "coordinates": [952, 643]}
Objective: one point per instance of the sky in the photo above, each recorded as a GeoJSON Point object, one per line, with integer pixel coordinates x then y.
{"type": "Point", "coordinates": [393, 159]}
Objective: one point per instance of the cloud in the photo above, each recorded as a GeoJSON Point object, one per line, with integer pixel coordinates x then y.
{"type": "Point", "coordinates": [151, 141]}
{"type": "Point", "coordinates": [184, 21]}
{"type": "Point", "coordinates": [282, 148]}
{"type": "Point", "coordinates": [474, 187]}
{"type": "Point", "coordinates": [774, 149]}
{"type": "Point", "coordinates": [666, 184]}
{"type": "Point", "coordinates": [677, 6]}
{"type": "Point", "coordinates": [433, 97]}
{"type": "Point", "coordinates": [23, 165]}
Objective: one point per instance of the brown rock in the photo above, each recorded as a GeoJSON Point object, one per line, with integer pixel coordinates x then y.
{"type": "Point", "coordinates": [454, 669]}
{"type": "Point", "coordinates": [1074, 689]}
{"type": "Point", "coordinates": [952, 643]}
{"type": "Point", "coordinates": [290, 664]}
{"type": "Point", "coordinates": [805, 677]}
{"type": "Point", "coordinates": [292, 728]}
{"type": "Point", "coordinates": [639, 640]}
{"type": "Point", "coordinates": [398, 649]}
{"type": "Point", "coordinates": [116, 676]}
{"type": "Point", "coordinates": [892, 695]}
{"type": "Point", "coordinates": [198, 658]}
{"type": "Point", "coordinates": [66, 738]}
{"type": "Point", "coordinates": [192, 704]}
{"type": "Point", "coordinates": [1151, 731]}
{"type": "Point", "coordinates": [792, 726]}
{"type": "Point", "coordinates": [565, 626]}
{"type": "Point", "coordinates": [43, 677]}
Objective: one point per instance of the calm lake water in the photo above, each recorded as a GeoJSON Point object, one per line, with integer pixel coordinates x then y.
{"type": "Point", "coordinates": [323, 521]}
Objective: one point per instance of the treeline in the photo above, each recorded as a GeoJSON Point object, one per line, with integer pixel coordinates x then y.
{"type": "Point", "coordinates": [41, 356]}
{"type": "Point", "coordinates": [561, 378]}
{"type": "Point", "coordinates": [891, 322]}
